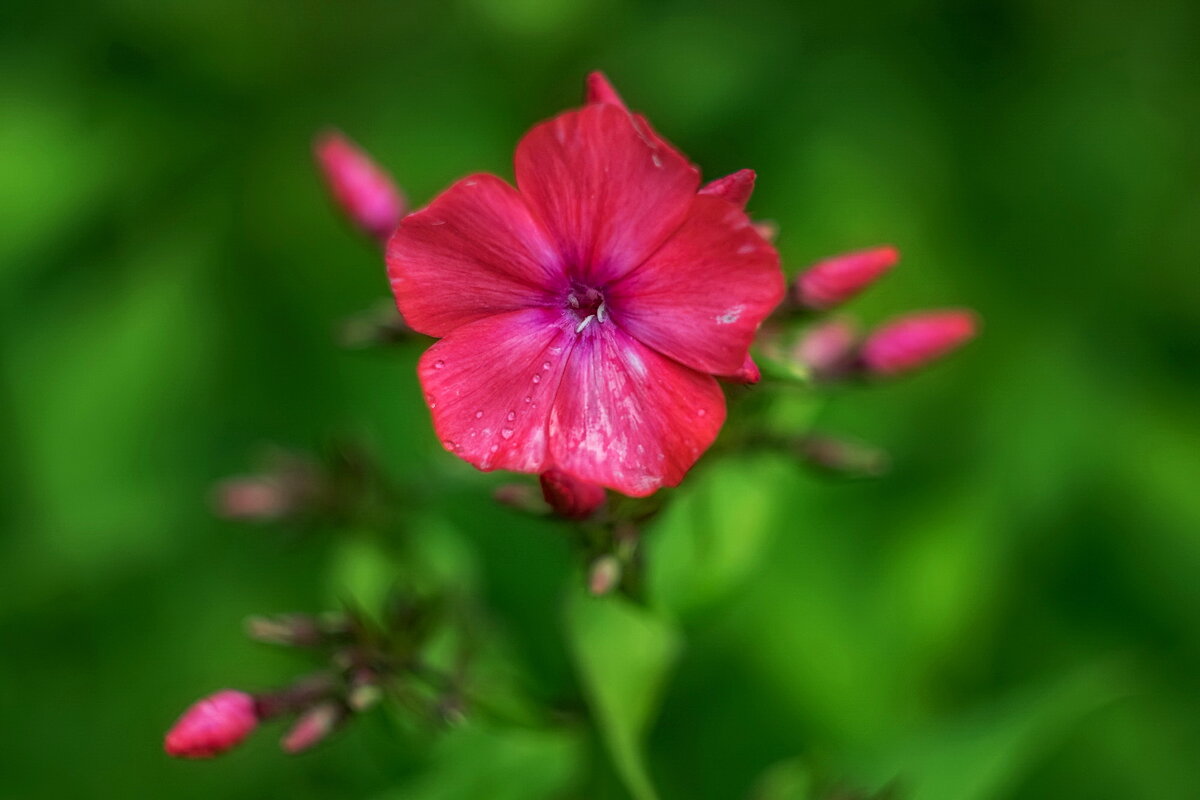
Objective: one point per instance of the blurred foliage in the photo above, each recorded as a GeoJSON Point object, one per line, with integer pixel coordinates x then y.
{"type": "Point", "coordinates": [1013, 613]}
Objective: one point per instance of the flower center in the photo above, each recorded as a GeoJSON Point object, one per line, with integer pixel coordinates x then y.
{"type": "Point", "coordinates": [588, 306]}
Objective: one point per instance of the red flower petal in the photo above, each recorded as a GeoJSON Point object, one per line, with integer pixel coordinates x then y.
{"type": "Point", "coordinates": [627, 418]}
{"type": "Point", "coordinates": [490, 386]}
{"type": "Point", "coordinates": [702, 296]}
{"type": "Point", "coordinates": [475, 251]}
{"type": "Point", "coordinates": [735, 188]}
{"type": "Point", "coordinates": [607, 193]}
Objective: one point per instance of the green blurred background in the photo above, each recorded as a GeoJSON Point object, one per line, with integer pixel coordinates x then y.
{"type": "Point", "coordinates": [1014, 612]}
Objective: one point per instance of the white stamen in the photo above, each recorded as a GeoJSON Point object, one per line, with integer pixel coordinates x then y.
{"type": "Point", "coordinates": [601, 313]}
{"type": "Point", "coordinates": [583, 323]}
{"type": "Point", "coordinates": [572, 300]}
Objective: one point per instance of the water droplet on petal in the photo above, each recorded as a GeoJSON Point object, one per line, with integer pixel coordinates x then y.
{"type": "Point", "coordinates": [495, 447]}
{"type": "Point", "coordinates": [545, 365]}
{"type": "Point", "coordinates": [700, 412]}
{"type": "Point", "coordinates": [478, 414]}
{"type": "Point", "coordinates": [506, 433]}
{"type": "Point", "coordinates": [528, 398]}
{"type": "Point", "coordinates": [449, 443]}
{"type": "Point", "coordinates": [537, 378]}
{"type": "Point", "coordinates": [439, 364]}
{"type": "Point", "coordinates": [512, 415]}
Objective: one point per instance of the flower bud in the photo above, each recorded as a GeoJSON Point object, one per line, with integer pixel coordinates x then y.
{"type": "Point", "coordinates": [290, 484]}
{"type": "Point", "coordinates": [365, 193]}
{"type": "Point", "coordinates": [569, 496]}
{"type": "Point", "coordinates": [212, 725]}
{"type": "Point", "coordinates": [604, 575]}
{"type": "Point", "coordinates": [843, 458]}
{"type": "Point", "coordinates": [311, 727]}
{"type": "Point", "coordinates": [520, 497]}
{"type": "Point", "coordinates": [916, 340]}
{"type": "Point", "coordinates": [289, 630]}
{"type": "Point", "coordinates": [254, 498]}
{"type": "Point", "coordinates": [364, 690]}
{"type": "Point", "coordinates": [827, 349]}
{"type": "Point", "coordinates": [835, 280]}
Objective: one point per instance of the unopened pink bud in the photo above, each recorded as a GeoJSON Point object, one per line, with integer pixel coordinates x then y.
{"type": "Point", "coordinates": [835, 280]}
{"type": "Point", "coordinates": [569, 496]}
{"type": "Point", "coordinates": [212, 725]}
{"type": "Point", "coordinates": [916, 340]}
{"type": "Point", "coordinates": [827, 349]}
{"type": "Point", "coordinates": [312, 727]}
{"type": "Point", "coordinates": [735, 188]}
{"type": "Point", "coordinates": [363, 191]}
{"type": "Point", "coordinates": [599, 90]}
{"type": "Point", "coordinates": [255, 498]}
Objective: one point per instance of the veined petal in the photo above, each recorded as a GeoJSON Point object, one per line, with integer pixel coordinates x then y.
{"type": "Point", "coordinates": [607, 193]}
{"type": "Point", "coordinates": [475, 251]}
{"type": "Point", "coordinates": [701, 297]}
{"type": "Point", "coordinates": [628, 418]}
{"type": "Point", "coordinates": [490, 386]}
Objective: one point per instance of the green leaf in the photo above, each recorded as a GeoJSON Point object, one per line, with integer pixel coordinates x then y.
{"type": "Point", "coordinates": [623, 655]}
{"type": "Point", "coordinates": [712, 538]}
{"type": "Point", "coordinates": [980, 755]}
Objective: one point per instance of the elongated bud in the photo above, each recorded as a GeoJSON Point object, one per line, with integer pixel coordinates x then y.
{"type": "Point", "coordinates": [597, 89]}
{"type": "Point", "coordinates": [916, 340]}
{"type": "Point", "coordinates": [842, 457]}
{"type": "Point", "coordinates": [735, 188]}
{"type": "Point", "coordinates": [365, 193]}
{"type": "Point", "coordinates": [312, 727]}
{"type": "Point", "coordinates": [835, 280]}
{"type": "Point", "coordinates": [252, 498]}
{"type": "Point", "coordinates": [604, 575]}
{"type": "Point", "coordinates": [212, 725]}
{"type": "Point", "coordinates": [289, 630]}
{"type": "Point", "coordinates": [569, 496]}
{"type": "Point", "coordinates": [520, 497]}
{"type": "Point", "coordinates": [827, 349]}
{"type": "Point", "coordinates": [291, 484]}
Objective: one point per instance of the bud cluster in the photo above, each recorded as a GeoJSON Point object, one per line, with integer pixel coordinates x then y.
{"type": "Point", "coordinates": [364, 662]}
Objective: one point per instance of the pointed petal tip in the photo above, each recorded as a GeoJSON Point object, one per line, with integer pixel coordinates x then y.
{"type": "Point", "coordinates": [598, 89]}
{"type": "Point", "coordinates": [736, 188]}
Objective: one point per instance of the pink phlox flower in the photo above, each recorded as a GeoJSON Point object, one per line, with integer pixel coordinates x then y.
{"type": "Point", "coordinates": [584, 314]}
